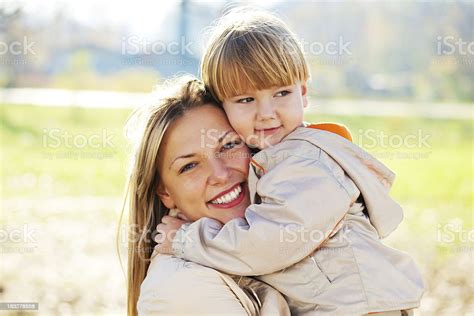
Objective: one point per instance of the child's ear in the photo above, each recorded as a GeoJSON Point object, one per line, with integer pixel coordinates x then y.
{"type": "Point", "coordinates": [304, 94]}
{"type": "Point", "coordinates": [165, 197]}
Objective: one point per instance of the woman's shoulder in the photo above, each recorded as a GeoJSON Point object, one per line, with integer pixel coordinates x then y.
{"type": "Point", "coordinates": [166, 269]}
{"type": "Point", "coordinates": [171, 281]}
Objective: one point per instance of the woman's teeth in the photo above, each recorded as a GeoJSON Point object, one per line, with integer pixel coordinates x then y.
{"type": "Point", "coordinates": [229, 197]}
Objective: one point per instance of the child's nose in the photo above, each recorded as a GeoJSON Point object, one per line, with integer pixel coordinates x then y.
{"type": "Point", "coordinates": [266, 110]}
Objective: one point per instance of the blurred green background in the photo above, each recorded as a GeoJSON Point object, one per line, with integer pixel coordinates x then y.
{"type": "Point", "coordinates": [63, 167]}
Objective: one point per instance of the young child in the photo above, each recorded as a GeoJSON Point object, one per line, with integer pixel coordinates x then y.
{"type": "Point", "coordinates": [320, 204]}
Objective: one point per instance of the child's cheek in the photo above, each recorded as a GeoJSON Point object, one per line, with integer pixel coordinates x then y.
{"type": "Point", "coordinates": [242, 127]}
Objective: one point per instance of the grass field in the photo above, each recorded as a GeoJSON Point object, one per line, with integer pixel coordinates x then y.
{"type": "Point", "coordinates": [63, 173]}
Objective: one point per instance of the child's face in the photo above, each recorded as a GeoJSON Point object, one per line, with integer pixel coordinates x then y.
{"type": "Point", "coordinates": [264, 117]}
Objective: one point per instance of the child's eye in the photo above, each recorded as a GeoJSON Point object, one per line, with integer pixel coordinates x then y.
{"type": "Point", "coordinates": [282, 93]}
{"type": "Point", "coordinates": [245, 100]}
{"type": "Point", "coordinates": [187, 167]}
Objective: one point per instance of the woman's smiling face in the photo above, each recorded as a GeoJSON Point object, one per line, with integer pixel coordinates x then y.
{"type": "Point", "coordinates": [203, 165]}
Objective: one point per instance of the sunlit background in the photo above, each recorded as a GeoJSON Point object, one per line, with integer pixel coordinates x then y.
{"type": "Point", "coordinates": [398, 74]}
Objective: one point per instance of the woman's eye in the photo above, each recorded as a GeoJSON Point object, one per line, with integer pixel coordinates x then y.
{"type": "Point", "coordinates": [187, 167]}
{"type": "Point", "coordinates": [282, 93]}
{"type": "Point", "coordinates": [231, 144]}
{"type": "Point", "coordinates": [245, 100]}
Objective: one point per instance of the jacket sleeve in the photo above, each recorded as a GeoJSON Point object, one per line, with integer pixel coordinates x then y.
{"type": "Point", "coordinates": [303, 201]}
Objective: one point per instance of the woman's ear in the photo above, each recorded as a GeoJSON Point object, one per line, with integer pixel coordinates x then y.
{"type": "Point", "coordinates": [304, 94]}
{"type": "Point", "coordinates": [165, 197]}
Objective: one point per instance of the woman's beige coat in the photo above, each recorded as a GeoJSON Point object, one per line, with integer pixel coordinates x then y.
{"type": "Point", "coordinates": [176, 287]}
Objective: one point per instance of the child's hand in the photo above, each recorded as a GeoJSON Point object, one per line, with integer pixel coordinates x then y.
{"type": "Point", "coordinates": [166, 231]}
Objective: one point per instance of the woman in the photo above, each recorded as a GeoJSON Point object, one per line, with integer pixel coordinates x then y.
{"type": "Point", "coordinates": [188, 157]}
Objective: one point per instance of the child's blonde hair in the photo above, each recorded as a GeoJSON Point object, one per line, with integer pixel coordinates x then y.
{"type": "Point", "coordinates": [251, 50]}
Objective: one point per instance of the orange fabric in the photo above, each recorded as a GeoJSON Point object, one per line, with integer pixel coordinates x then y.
{"type": "Point", "coordinates": [256, 164]}
{"type": "Point", "coordinates": [336, 128]}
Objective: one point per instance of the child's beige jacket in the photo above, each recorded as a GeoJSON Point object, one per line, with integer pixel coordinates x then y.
{"type": "Point", "coordinates": [321, 206]}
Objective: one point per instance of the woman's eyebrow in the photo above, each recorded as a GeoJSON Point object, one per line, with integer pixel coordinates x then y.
{"type": "Point", "coordinates": [181, 157]}
{"type": "Point", "coordinates": [224, 135]}
{"type": "Point", "coordinates": [194, 154]}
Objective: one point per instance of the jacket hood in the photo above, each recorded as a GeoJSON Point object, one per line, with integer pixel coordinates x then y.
{"type": "Point", "coordinates": [373, 178]}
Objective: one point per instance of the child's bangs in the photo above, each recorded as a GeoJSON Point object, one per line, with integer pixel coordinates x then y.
{"type": "Point", "coordinates": [254, 61]}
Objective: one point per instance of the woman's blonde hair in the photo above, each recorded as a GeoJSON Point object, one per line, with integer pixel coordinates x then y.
{"type": "Point", "coordinates": [251, 50]}
{"type": "Point", "coordinates": [145, 207]}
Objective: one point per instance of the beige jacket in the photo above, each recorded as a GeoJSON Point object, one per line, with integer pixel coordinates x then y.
{"type": "Point", "coordinates": [176, 287]}
{"type": "Point", "coordinates": [314, 191]}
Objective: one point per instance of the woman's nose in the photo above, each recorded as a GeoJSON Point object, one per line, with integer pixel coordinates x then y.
{"type": "Point", "coordinates": [219, 171]}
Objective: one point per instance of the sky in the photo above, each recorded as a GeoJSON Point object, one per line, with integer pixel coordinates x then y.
{"type": "Point", "coordinates": [138, 16]}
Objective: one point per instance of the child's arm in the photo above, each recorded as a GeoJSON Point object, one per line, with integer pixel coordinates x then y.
{"type": "Point", "coordinates": [303, 200]}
